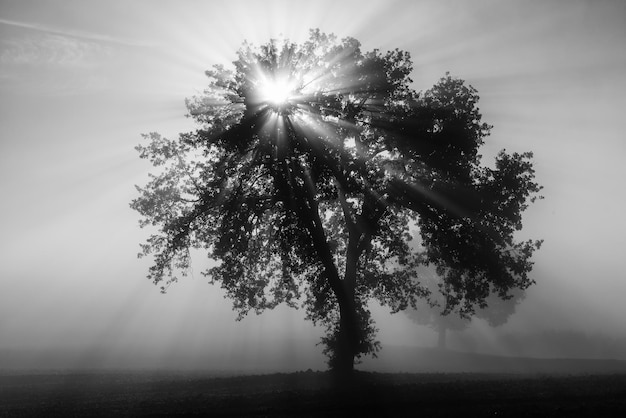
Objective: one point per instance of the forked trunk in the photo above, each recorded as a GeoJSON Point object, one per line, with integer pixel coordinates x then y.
{"type": "Point", "coordinates": [345, 345]}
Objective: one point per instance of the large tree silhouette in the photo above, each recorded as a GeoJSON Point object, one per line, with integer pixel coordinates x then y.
{"type": "Point", "coordinates": [312, 167]}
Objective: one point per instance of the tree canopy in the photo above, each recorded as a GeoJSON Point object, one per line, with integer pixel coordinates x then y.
{"type": "Point", "coordinates": [313, 167]}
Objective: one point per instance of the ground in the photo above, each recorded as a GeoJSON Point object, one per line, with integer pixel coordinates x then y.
{"type": "Point", "coordinates": [108, 393]}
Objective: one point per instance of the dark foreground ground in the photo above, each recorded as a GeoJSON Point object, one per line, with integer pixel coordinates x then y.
{"type": "Point", "coordinates": [310, 394]}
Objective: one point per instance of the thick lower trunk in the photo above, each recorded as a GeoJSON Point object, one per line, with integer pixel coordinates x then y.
{"type": "Point", "coordinates": [348, 339]}
{"type": "Point", "coordinates": [343, 363]}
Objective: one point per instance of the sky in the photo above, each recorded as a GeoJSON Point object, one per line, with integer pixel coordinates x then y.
{"type": "Point", "coordinates": [80, 81]}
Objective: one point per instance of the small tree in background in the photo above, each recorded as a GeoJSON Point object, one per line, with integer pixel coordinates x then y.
{"type": "Point", "coordinates": [434, 313]}
{"type": "Point", "coordinates": [313, 166]}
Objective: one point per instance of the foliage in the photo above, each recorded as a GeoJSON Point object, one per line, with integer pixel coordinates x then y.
{"type": "Point", "coordinates": [312, 200]}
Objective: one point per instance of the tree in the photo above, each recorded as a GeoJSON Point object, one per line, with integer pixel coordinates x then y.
{"type": "Point", "coordinates": [433, 312]}
{"type": "Point", "coordinates": [310, 169]}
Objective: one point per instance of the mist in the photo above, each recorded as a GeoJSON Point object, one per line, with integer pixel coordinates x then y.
{"type": "Point", "coordinates": [79, 85]}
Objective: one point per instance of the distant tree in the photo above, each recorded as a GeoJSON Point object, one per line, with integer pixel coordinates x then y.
{"type": "Point", "coordinates": [434, 313]}
{"type": "Point", "coordinates": [498, 310]}
{"type": "Point", "coordinates": [431, 311]}
{"type": "Point", "coordinates": [310, 169]}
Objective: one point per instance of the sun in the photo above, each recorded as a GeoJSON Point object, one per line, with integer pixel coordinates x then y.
{"type": "Point", "coordinates": [277, 92]}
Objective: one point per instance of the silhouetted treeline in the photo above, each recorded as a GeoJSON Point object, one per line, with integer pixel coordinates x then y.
{"type": "Point", "coordinates": [566, 344]}
{"type": "Point", "coordinates": [551, 343]}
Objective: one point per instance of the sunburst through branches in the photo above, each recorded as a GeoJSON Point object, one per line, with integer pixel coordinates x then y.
{"type": "Point", "coordinates": [277, 91]}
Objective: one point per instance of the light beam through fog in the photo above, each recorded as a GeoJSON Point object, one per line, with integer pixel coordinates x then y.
{"type": "Point", "coordinates": [74, 104]}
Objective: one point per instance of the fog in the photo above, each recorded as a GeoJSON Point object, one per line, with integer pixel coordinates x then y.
{"type": "Point", "coordinates": [80, 80]}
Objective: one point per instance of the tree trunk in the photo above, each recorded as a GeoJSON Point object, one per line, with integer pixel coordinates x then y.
{"type": "Point", "coordinates": [350, 334]}
{"type": "Point", "coordinates": [346, 345]}
{"type": "Point", "coordinates": [441, 340]}
{"type": "Point", "coordinates": [348, 337]}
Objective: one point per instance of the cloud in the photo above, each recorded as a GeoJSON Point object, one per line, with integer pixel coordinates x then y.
{"type": "Point", "coordinates": [53, 51]}
{"type": "Point", "coordinates": [89, 36]}
{"type": "Point", "coordinates": [44, 63]}
{"type": "Point", "coordinates": [54, 60]}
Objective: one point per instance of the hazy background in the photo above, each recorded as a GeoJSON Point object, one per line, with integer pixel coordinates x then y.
{"type": "Point", "coordinates": [80, 80]}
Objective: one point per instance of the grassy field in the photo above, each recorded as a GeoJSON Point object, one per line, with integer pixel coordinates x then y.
{"type": "Point", "coordinates": [310, 394]}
